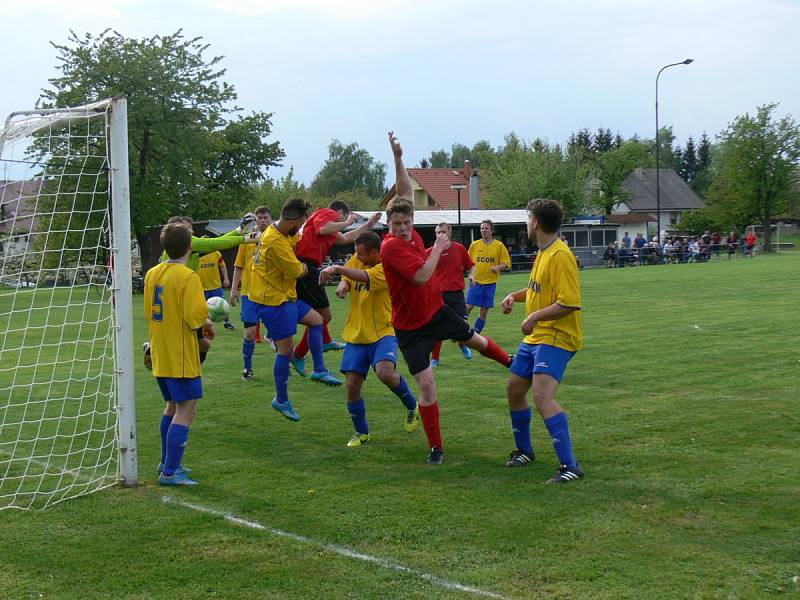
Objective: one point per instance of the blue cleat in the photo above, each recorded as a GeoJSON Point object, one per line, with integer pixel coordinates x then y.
{"type": "Point", "coordinates": [299, 365]}
{"type": "Point", "coordinates": [177, 478]}
{"type": "Point", "coordinates": [466, 352]}
{"type": "Point", "coordinates": [181, 468]}
{"type": "Point", "coordinates": [434, 363]}
{"type": "Point", "coordinates": [325, 377]}
{"type": "Point", "coordinates": [333, 345]}
{"type": "Point", "coordinates": [286, 409]}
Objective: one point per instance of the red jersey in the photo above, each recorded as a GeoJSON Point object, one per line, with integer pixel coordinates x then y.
{"type": "Point", "coordinates": [452, 264]}
{"type": "Point", "coordinates": [313, 246]}
{"type": "Point", "coordinates": [412, 305]}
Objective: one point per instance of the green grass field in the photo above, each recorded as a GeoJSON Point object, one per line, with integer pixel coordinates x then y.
{"type": "Point", "coordinates": [684, 413]}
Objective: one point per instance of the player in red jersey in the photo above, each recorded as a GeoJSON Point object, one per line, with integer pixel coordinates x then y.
{"type": "Point", "coordinates": [450, 270]}
{"type": "Point", "coordinates": [321, 231]}
{"type": "Point", "coordinates": [419, 314]}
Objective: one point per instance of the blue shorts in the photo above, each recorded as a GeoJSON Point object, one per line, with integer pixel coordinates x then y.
{"type": "Point", "coordinates": [217, 293]}
{"type": "Point", "coordinates": [281, 321]}
{"type": "Point", "coordinates": [178, 389]}
{"type": "Point", "coordinates": [249, 313]}
{"type": "Point", "coordinates": [481, 294]}
{"type": "Point", "coordinates": [540, 358]}
{"type": "Point", "coordinates": [358, 358]}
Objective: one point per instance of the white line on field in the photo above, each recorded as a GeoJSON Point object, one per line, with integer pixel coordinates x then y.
{"type": "Point", "coordinates": [341, 550]}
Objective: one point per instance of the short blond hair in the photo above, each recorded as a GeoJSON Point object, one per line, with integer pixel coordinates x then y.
{"type": "Point", "coordinates": [399, 206]}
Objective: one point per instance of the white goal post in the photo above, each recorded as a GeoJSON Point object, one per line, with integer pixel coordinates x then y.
{"type": "Point", "coordinates": [67, 412]}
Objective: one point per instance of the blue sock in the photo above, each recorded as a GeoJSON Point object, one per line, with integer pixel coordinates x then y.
{"type": "Point", "coordinates": [479, 325]}
{"type": "Point", "coordinates": [559, 433]}
{"type": "Point", "coordinates": [280, 372]}
{"type": "Point", "coordinates": [177, 437]}
{"type": "Point", "coordinates": [166, 421]}
{"type": "Point", "coordinates": [405, 394]}
{"type": "Point", "coordinates": [521, 426]}
{"type": "Point", "coordinates": [315, 345]}
{"type": "Point", "coordinates": [247, 352]}
{"type": "Point", "coordinates": [358, 412]}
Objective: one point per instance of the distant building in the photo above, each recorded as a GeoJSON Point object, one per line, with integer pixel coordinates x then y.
{"type": "Point", "coordinates": [677, 198]}
{"type": "Point", "coordinates": [17, 214]}
{"type": "Point", "coordinates": [433, 191]}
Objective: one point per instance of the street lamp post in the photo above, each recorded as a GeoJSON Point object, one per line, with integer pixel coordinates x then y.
{"type": "Point", "coordinates": [688, 61]}
{"type": "Point", "coordinates": [458, 187]}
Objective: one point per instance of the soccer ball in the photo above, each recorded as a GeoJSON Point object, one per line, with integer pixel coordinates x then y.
{"type": "Point", "coordinates": [218, 309]}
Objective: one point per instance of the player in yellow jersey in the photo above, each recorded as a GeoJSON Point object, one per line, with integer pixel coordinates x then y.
{"type": "Point", "coordinates": [368, 333]}
{"type": "Point", "coordinates": [213, 274]}
{"type": "Point", "coordinates": [241, 274]}
{"type": "Point", "coordinates": [273, 276]}
{"type": "Point", "coordinates": [490, 257]}
{"type": "Point", "coordinates": [553, 333]}
{"type": "Point", "coordinates": [176, 311]}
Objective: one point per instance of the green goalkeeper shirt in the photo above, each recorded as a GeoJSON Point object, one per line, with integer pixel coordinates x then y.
{"type": "Point", "coordinates": [201, 246]}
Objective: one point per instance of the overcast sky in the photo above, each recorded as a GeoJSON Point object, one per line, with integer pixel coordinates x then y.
{"type": "Point", "coordinates": [441, 71]}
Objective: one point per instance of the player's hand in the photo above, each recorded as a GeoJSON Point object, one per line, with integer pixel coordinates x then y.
{"type": "Point", "coordinates": [442, 242]}
{"type": "Point", "coordinates": [252, 237]}
{"type": "Point", "coordinates": [528, 324]}
{"type": "Point", "coordinates": [351, 218]}
{"type": "Point", "coordinates": [471, 281]}
{"type": "Point", "coordinates": [342, 289]}
{"type": "Point", "coordinates": [495, 269]}
{"type": "Point", "coordinates": [208, 330]}
{"type": "Point", "coordinates": [327, 274]}
{"type": "Point", "coordinates": [226, 284]}
{"type": "Point", "coordinates": [508, 304]}
{"type": "Point", "coordinates": [234, 297]}
{"type": "Point", "coordinates": [397, 149]}
{"type": "Point", "coordinates": [374, 219]}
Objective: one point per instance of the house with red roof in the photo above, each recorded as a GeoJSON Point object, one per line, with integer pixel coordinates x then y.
{"type": "Point", "coordinates": [433, 189]}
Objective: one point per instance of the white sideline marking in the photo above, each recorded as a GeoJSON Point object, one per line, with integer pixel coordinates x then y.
{"type": "Point", "coordinates": [341, 550]}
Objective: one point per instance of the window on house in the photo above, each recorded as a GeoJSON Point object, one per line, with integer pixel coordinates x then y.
{"type": "Point", "coordinates": [611, 236]}
{"type": "Point", "coordinates": [597, 237]}
{"type": "Point", "coordinates": [570, 237]}
{"type": "Point", "coordinates": [581, 239]}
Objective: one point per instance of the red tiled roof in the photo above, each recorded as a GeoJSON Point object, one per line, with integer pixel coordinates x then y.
{"type": "Point", "coordinates": [437, 182]}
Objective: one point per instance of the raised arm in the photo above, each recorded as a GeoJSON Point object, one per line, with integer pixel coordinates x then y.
{"type": "Point", "coordinates": [403, 187]}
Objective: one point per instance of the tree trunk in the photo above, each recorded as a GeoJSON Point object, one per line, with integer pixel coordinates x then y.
{"type": "Point", "coordinates": [768, 232]}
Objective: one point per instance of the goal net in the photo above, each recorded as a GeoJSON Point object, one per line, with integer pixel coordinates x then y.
{"type": "Point", "coordinates": [67, 421]}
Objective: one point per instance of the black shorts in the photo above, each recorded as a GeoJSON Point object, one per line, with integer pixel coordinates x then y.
{"type": "Point", "coordinates": [308, 288]}
{"type": "Point", "coordinates": [455, 300]}
{"type": "Point", "coordinates": [416, 344]}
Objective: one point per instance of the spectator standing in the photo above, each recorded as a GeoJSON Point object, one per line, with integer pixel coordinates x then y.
{"type": "Point", "coordinates": [750, 240]}
{"type": "Point", "coordinates": [716, 243]}
{"type": "Point", "coordinates": [732, 242]}
{"type": "Point", "coordinates": [626, 241]}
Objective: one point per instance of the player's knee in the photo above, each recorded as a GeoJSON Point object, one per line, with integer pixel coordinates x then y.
{"type": "Point", "coordinates": [387, 374]}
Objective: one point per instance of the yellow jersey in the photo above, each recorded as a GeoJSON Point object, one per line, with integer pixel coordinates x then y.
{"type": "Point", "coordinates": [175, 307]}
{"type": "Point", "coordinates": [485, 256]}
{"type": "Point", "coordinates": [244, 260]}
{"type": "Point", "coordinates": [209, 270]}
{"type": "Point", "coordinates": [554, 279]}
{"type": "Point", "coordinates": [370, 316]}
{"type": "Point", "coordinates": [275, 269]}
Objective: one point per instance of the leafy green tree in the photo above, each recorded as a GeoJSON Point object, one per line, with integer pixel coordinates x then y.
{"type": "Point", "coordinates": [189, 153]}
{"type": "Point", "coordinates": [458, 154]}
{"type": "Point", "coordinates": [522, 172]}
{"type": "Point", "coordinates": [612, 167]}
{"type": "Point", "coordinates": [482, 154]}
{"type": "Point", "coordinates": [688, 161]}
{"type": "Point", "coordinates": [704, 169]}
{"type": "Point", "coordinates": [603, 140]}
{"type": "Point", "coordinates": [439, 159]}
{"type": "Point", "coordinates": [348, 169]}
{"type": "Point", "coordinates": [756, 175]}
{"type": "Point", "coordinates": [272, 193]}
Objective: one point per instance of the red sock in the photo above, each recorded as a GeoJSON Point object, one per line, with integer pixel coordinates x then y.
{"type": "Point", "coordinates": [326, 335]}
{"type": "Point", "coordinates": [258, 333]}
{"type": "Point", "coordinates": [302, 348]}
{"type": "Point", "coordinates": [437, 350]}
{"type": "Point", "coordinates": [430, 421]}
{"type": "Point", "coordinates": [495, 352]}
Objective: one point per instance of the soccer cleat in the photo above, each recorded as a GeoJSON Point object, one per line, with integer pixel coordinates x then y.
{"type": "Point", "coordinates": [177, 478]}
{"type": "Point", "coordinates": [325, 377]}
{"type": "Point", "coordinates": [299, 365]}
{"type": "Point", "coordinates": [229, 325]}
{"type": "Point", "coordinates": [520, 458]}
{"type": "Point", "coordinates": [148, 359]}
{"type": "Point", "coordinates": [247, 374]}
{"type": "Point", "coordinates": [434, 363]}
{"type": "Point", "coordinates": [272, 344]}
{"type": "Point", "coordinates": [333, 345]}
{"type": "Point", "coordinates": [412, 420]}
{"type": "Point", "coordinates": [358, 439]}
{"type": "Point", "coordinates": [286, 409]}
{"type": "Point", "coordinates": [466, 352]}
{"type": "Point", "coordinates": [181, 468]}
{"type": "Point", "coordinates": [436, 456]}
{"type": "Point", "coordinates": [566, 474]}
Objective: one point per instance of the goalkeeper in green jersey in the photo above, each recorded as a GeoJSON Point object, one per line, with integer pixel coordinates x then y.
{"type": "Point", "coordinates": [245, 232]}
